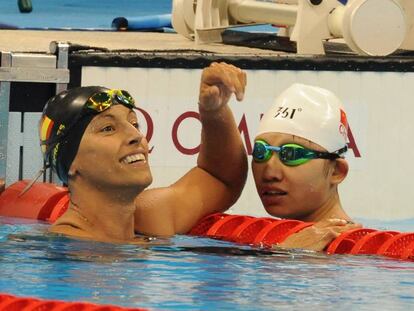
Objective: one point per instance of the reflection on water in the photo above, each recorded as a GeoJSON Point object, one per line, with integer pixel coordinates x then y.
{"type": "Point", "coordinates": [196, 274]}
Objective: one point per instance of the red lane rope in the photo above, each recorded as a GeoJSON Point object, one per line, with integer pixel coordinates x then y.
{"type": "Point", "coordinates": [346, 241]}
{"type": "Point", "coordinates": [370, 243]}
{"type": "Point", "coordinates": [275, 232]}
{"type": "Point", "coordinates": [48, 202]}
{"type": "Point", "coordinates": [395, 246]}
{"type": "Point", "coordinates": [13, 303]}
{"type": "Point", "coordinates": [269, 231]}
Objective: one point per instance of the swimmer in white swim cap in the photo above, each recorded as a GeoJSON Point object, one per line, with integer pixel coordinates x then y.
{"type": "Point", "coordinates": [298, 157]}
{"type": "Point", "coordinates": [90, 137]}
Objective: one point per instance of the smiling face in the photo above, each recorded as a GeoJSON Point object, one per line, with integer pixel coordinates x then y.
{"type": "Point", "coordinates": [113, 153]}
{"type": "Point", "coordinates": [293, 191]}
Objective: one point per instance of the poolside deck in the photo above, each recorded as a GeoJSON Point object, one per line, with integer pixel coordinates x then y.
{"type": "Point", "coordinates": [39, 40]}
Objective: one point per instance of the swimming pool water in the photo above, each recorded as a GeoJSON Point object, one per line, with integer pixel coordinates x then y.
{"type": "Point", "coordinates": [195, 274]}
{"type": "Point", "coordinates": [78, 14]}
{"type": "Point", "coordinates": [91, 14]}
{"type": "Point", "coordinates": [191, 273]}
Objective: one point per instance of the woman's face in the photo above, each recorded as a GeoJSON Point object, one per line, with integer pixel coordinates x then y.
{"type": "Point", "coordinates": [292, 191]}
{"type": "Point", "coordinates": [113, 152]}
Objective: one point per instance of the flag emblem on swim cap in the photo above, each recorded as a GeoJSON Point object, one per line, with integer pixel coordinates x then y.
{"type": "Point", "coordinates": [343, 127]}
{"type": "Point", "coordinates": [45, 131]}
{"type": "Point", "coordinates": [344, 120]}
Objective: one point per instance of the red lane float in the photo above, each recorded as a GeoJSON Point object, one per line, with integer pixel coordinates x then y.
{"type": "Point", "coordinates": [42, 201]}
{"type": "Point", "coordinates": [269, 231]}
{"type": "Point", "coordinates": [371, 242]}
{"type": "Point", "coordinates": [12, 303]}
{"type": "Point", "coordinates": [346, 241]}
{"type": "Point", "coordinates": [397, 245]}
{"type": "Point", "coordinates": [48, 202]}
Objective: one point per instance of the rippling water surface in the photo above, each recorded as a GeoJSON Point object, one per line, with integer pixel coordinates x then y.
{"type": "Point", "coordinates": [196, 274]}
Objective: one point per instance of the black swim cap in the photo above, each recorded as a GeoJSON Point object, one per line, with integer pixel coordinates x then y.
{"type": "Point", "coordinates": [65, 118]}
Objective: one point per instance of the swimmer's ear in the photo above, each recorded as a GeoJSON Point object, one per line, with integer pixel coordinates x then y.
{"type": "Point", "coordinates": [72, 171]}
{"type": "Point", "coordinates": [340, 171]}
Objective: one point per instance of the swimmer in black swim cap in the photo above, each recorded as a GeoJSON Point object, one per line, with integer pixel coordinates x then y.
{"type": "Point", "coordinates": [91, 138]}
{"type": "Point", "coordinates": [65, 118]}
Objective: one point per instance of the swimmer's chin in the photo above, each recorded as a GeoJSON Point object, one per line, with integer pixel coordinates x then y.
{"type": "Point", "coordinates": [138, 183]}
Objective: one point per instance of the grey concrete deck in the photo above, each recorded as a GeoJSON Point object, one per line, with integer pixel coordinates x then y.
{"type": "Point", "coordinates": [39, 40]}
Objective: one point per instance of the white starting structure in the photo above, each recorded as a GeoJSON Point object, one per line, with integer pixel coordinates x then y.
{"type": "Point", "coordinates": [368, 27]}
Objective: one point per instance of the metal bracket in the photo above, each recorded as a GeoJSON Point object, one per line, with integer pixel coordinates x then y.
{"type": "Point", "coordinates": [28, 67]}
{"type": "Point", "coordinates": [33, 74]}
{"type": "Point", "coordinates": [61, 50]}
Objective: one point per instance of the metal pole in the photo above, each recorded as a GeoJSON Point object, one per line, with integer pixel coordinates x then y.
{"type": "Point", "coordinates": [249, 11]}
{"type": "Point", "coordinates": [4, 116]}
{"type": "Point", "coordinates": [61, 50]}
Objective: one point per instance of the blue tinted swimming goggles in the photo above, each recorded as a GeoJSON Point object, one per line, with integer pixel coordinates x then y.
{"type": "Point", "coordinates": [291, 154]}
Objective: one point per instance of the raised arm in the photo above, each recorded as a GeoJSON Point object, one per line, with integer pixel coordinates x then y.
{"type": "Point", "coordinates": [221, 152]}
{"type": "Point", "coordinates": [217, 181]}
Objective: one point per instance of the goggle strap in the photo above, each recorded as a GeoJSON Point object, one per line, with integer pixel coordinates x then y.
{"type": "Point", "coordinates": [329, 155]}
{"type": "Point", "coordinates": [52, 141]}
{"type": "Point", "coordinates": [326, 155]}
{"type": "Point", "coordinates": [342, 150]}
{"type": "Point", "coordinates": [31, 183]}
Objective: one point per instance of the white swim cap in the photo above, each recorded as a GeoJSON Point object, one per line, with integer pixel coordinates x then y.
{"type": "Point", "coordinates": [310, 112]}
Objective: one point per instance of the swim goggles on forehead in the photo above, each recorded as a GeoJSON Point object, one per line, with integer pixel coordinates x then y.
{"type": "Point", "coordinates": [95, 104]}
{"type": "Point", "coordinates": [102, 101]}
{"type": "Point", "coordinates": [291, 154]}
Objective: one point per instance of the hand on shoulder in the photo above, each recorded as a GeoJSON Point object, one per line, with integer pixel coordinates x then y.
{"type": "Point", "coordinates": [318, 236]}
